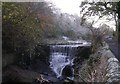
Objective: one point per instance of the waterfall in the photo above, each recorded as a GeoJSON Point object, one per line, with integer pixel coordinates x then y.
{"type": "Point", "coordinates": [62, 56]}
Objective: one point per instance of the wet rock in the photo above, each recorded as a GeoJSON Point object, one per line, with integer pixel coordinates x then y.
{"type": "Point", "coordinates": [83, 52]}
{"type": "Point", "coordinates": [68, 81]}
{"type": "Point", "coordinates": [41, 67]}
{"type": "Point", "coordinates": [14, 74]}
{"type": "Point", "coordinates": [42, 80]}
{"type": "Point", "coordinates": [42, 52]}
{"type": "Point", "coordinates": [67, 71]}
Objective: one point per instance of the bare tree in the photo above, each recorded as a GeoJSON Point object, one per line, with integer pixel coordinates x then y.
{"type": "Point", "coordinates": [94, 70]}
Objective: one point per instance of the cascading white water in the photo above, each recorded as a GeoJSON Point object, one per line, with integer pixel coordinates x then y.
{"type": "Point", "coordinates": [61, 56]}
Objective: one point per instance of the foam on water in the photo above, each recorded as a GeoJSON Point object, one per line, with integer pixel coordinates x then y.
{"type": "Point", "coordinates": [61, 56]}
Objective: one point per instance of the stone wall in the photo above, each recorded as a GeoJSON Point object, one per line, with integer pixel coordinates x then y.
{"type": "Point", "coordinates": [113, 65]}
{"type": "Point", "coordinates": [102, 66]}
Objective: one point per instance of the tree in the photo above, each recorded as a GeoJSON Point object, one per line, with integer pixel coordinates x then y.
{"type": "Point", "coordinates": [22, 27]}
{"type": "Point", "coordinates": [99, 9]}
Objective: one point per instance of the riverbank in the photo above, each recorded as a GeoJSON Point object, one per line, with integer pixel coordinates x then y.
{"type": "Point", "coordinates": [13, 74]}
{"type": "Point", "coordinates": [23, 68]}
{"type": "Point", "coordinates": [102, 66]}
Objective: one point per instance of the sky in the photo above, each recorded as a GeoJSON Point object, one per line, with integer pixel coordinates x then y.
{"type": "Point", "coordinates": [68, 6]}
{"type": "Point", "coordinates": [72, 7]}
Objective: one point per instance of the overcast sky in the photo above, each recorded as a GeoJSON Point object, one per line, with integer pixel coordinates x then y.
{"type": "Point", "coordinates": [68, 6]}
{"type": "Point", "coordinates": [72, 7]}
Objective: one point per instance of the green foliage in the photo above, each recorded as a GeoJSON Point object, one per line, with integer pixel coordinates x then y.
{"type": "Point", "coordinates": [22, 26]}
{"type": "Point", "coordinates": [28, 24]}
{"type": "Point", "coordinates": [99, 8]}
{"type": "Point", "coordinates": [70, 33]}
{"type": "Point", "coordinates": [18, 25]}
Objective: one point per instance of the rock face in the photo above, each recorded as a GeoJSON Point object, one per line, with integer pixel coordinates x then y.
{"type": "Point", "coordinates": [67, 71]}
{"type": "Point", "coordinates": [42, 52]}
{"type": "Point", "coordinates": [8, 58]}
{"type": "Point", "coordinates": [25, 67]}
{"type": "Point", "coordinates": [83, 52]}
{"type": "Point", "coordinates": [24, 58]}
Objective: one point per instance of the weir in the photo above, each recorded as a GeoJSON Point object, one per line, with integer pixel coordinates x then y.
{"type": "Point", "coordinates": [61, 59]}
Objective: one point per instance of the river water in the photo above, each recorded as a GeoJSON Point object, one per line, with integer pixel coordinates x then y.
{"type": "Point", "coordinates": [62, 57]}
